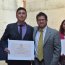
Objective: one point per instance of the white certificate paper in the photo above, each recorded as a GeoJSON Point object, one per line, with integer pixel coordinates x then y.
{"type": "Point", "coordinates": [21, 50]}
{"type": "Point", "coordinates": [63, 46]}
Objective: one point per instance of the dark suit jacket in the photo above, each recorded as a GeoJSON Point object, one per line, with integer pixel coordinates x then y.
{"type": "Point", "coordinates": [11, 32]}
{"type": "Point", "coordinates": [2, 55]}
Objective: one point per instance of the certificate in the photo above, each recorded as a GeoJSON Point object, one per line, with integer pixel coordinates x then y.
{"type": "Point", "coordinates": [21, 50]}
{"type": "Point", "coordinates": [63, 46]}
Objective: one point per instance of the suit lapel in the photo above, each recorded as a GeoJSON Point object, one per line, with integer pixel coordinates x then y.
{"type": "Point", "coordinates": [47, 35]}
{"type": "Point", "coordinates": [16, 29]}
{"type": "Point", "coordinates": [34, 33]}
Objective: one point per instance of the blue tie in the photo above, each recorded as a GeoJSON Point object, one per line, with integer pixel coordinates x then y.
{"type": "Point", "coordinates": [21, 31]}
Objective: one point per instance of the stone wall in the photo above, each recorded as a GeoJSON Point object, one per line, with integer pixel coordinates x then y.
{"type": "Point", "coordinates": [8, 12]}
{"type": "Point", "coordinates": [55, 10]}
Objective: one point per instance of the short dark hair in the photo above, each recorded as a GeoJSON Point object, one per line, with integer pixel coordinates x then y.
{"type": "Point", "coordinates": [41, 14]}
{"type": "Point", "coordinates": [21, 8]}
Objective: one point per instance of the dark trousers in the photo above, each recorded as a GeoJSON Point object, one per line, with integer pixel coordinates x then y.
{"type": "Point", "coordinates": [62, 60]}
{"type": "Point", "coordinates": [19, 62]}
{"type": "Point", "coordinates": [37, 62]}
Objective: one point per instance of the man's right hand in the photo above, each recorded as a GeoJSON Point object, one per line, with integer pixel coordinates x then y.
{"type": "Point", "coordinates": [6, 50]}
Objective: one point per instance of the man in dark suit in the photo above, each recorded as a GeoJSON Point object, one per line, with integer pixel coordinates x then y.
{"type": "Point", "coordinates": [17, 31]}
{"type": "Point", "coordinates": [47, 42]}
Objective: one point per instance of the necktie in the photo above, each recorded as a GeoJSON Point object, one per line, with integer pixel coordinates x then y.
{"type": "Point", "coordinates": [21, 31]}
{"type": "Point", "coordinates": [40, 46]}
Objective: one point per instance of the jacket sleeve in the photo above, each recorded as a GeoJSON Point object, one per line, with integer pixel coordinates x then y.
{"type": "Point", "coordinates": [5, 37]}
{"type": "Point", "coordinates": [57, 49]}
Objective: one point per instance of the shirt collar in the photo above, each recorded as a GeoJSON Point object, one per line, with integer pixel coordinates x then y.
{"type": "Point", "coordinates": [44, 29]}
{"type": "Point", "coordinates": [24, 24]}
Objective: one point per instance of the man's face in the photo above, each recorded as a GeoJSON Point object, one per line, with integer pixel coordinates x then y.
{"type": "Point", "coordinates": [41, 21]}
{"type": "Point", "coordinates": [21, 15]}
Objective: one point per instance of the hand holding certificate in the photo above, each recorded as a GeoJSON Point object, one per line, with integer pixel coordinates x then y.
{"type": "Point", "coordinates": [21, 50]}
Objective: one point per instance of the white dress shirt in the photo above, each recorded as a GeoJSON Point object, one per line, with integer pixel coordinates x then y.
{"type": "Point", "coordinates": [37, 39]}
